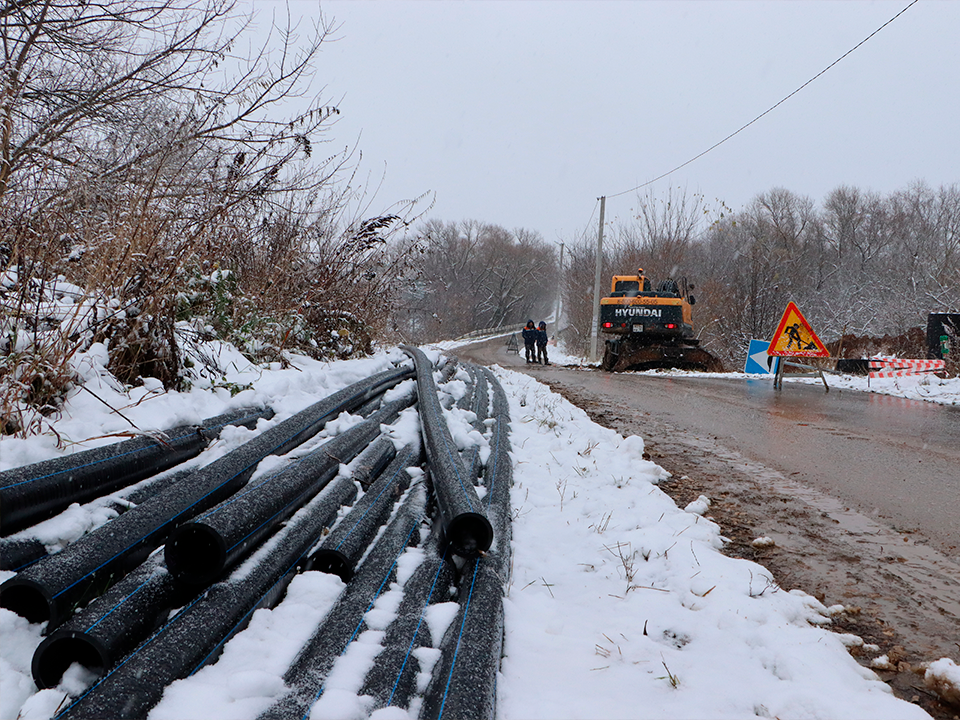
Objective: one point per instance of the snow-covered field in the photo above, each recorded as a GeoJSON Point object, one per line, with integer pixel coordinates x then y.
{"type": "Point", "coordinates": [620, 603]}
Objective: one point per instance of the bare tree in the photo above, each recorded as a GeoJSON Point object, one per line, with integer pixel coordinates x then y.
{"type": "Point", "coordinates": [108, 86]}
{"type": "Point", "coordinates": [473, 275]}
{"type": "Point", "coordinates": [660, 233]}
{"type": "Point", "coordinates": [144, 161]}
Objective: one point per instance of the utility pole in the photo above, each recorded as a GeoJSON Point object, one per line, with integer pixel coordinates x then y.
{"type": "Point", "coordinates": [556, 314]}
{"type": "Point", "coordinates": [595, 331]}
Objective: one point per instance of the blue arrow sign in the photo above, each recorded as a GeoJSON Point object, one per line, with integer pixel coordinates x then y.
{"type": "Point", "coordinates": [757, 359]}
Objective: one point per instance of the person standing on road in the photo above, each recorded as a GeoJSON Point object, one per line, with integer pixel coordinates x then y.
{"type": "Point", "coordinates": [529, 341]}
{"type": "Point", "coordinates": [542, 343]}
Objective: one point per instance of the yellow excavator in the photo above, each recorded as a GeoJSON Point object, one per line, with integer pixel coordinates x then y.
{"type": "Point", "coordinates": [651, 328]}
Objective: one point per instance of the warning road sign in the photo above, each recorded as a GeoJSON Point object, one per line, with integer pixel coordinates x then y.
{"type": "Point", "coordinates": [795, 338]}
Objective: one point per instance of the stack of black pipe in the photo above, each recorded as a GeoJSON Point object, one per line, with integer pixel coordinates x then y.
{"type": "Point", "coordinates": [36, 492]}
{"type": "Point", "coordinates": [463, 683]}
{"type": "Point", "coordinates": [196, 635]}
{"type": "Point", "coordinates": [344, 623]}
{"type": "Point", "coordinates": [199, 552]}
{"type": "Point", "coordinates": [51, 588]}
{"type": "Point", "coordinates": [341, 550]}
{"type": "Point", "coordinates": [217, 568]}
{"type": "Point", "coordinates": [33, 493]}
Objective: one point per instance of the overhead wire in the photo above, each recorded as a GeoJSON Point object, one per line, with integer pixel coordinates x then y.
{"type": "Point", "coordinates": [768, 110]}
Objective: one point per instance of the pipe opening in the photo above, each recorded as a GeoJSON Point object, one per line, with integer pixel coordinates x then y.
{"type": "Point", "coordinates": [58, 652]}
{"type": "Point", "coordinates": [332, 562]}
{"type": "Point", "coordinates": [195, 554]}
{"type": "Point", "coordinates": [470, 534]}
{"type": "Point", "coordinates": [27, 600]}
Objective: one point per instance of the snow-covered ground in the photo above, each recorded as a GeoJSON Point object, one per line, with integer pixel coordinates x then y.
{"type": "Point", "coordinates": [620, 603]}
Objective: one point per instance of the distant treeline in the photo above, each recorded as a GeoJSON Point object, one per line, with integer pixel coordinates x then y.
{"type": "Point", "coordinates": [860, 263]}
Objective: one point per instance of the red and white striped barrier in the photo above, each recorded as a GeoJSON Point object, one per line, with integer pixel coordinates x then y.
{"type": "Point", "coordinates": [899, 367]}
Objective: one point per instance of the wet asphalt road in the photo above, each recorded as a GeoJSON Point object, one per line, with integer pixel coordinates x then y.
{"type": "Point", "coordinates": [889, 458]}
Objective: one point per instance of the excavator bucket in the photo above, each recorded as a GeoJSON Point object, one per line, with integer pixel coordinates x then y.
{"type": "Point", "coordinates": [621, 356]}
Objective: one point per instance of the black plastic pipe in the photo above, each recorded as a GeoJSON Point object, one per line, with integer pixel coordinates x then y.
{"type": "Point", "coordinates": [370, 406]}
{"type": "Point", "coordinates": [342, 549]}
{"type": "Point", "coordinates": [113, 624]}
{"type": "Point", "coordinates": [477, 402]}
{"type": "Point", "coordinates": [465, 526]}
{"type": "Point", "coordinates": [195, 636]}
{"type": "Point", "coordinates": [199, 551]}
{"type": "Point", "coordinates": [466, 400]}
{"type": "Point", "coordinates": [498, 478]}
{"type": "Point", "coordinates": [18, 553]}
{"type": "Point", "coordinates": [463, 684]}
{"type": "Point", "coordinates": [50, 588]}
{"type": "Point", "coordinates": [344, 622]}
{"type": "Point", "coordinates": [33, 493]}
{"type": "Point", "coordinates": [392, 681]}
{"type": "Point", "coordinates": [110, 626]}
{"type": "Point", "coordinates": [448, 367]}
{"type": "Point", "coordinates": [480, 404]}
{"type": "Point", "coordinates": [151, 487]}
{"type": "Point", "coordinates": [464, 680]}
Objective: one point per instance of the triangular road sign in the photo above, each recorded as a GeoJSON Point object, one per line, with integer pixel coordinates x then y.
{"type": "Point", "coordinates": [795, 338]}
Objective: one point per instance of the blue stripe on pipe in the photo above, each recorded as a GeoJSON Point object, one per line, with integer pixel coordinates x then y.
{"type": "Point", "coordinates": [453, 663]}
{"type": "Point", "coordinates": [257, 528]}
{"type": "Point", "coordinates": [239, 421]}
{"type": "Point", "coordinates": [115, 607]}
{"type": "Point", "coordinates": [249, 489]}
{"type": "Point", "coordinates": [130, 656]}
{"type": "Point", "coordinates": [91, 464]}
{"type": "Point", "coordinates": [243, 619]}
{"type": "Point", "coordinates": [455, 461]}
{"type": "Point", "coordinates": [493, 473]}
{"type": "Point", "coordinates": [416, 632]}
{"type": "Point", "coordinates": [281, 510]}
{"type": "Point", "coordinates": [182, 512]}
{"type": "Point", "coordinates": [356, 630]}
{"type": "Point", "coordinates": [373, 502]}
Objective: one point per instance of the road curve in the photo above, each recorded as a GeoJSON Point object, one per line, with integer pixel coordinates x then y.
{"type": "Point", "coordinates": [889, 457]}
{"type": "Point", "coordinates": [860, 492]}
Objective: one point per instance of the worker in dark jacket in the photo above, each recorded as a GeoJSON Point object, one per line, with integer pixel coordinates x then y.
{"type": "Point", "coordinates": [530, 341]}
{"type": "Point", "coordinates": [542, 343]}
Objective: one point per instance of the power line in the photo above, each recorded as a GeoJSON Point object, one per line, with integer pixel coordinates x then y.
{"type": "Point", "coordinates": [769, 110]}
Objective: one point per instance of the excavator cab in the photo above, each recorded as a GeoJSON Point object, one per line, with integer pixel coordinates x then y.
{"type": "Point", "coordinates": [629, 285]}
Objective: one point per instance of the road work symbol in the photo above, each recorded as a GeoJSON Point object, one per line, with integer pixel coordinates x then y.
{"type": "Point", "coordinates": [795, 338]}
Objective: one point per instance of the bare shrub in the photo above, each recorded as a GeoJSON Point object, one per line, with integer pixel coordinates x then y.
{"type": "Point", "coordinates": [152, 202]}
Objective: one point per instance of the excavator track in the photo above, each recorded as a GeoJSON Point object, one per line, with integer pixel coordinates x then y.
{"type": "Point", "coordinates": [620, 356]}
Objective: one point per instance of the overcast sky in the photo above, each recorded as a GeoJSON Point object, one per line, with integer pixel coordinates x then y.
{"type": "Point", "coordinates": [523, 113]}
